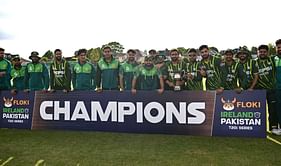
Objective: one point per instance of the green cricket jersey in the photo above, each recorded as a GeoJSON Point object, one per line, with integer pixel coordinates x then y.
{"type": "Point", "coordinates": [83, 76]}
{"type": "Point", "coordinates": [147, 79]}
{"type": "Point", "coordinates": [108, 74]}
{"type": "Point", "coordinates": [196, 83]}
{"type": "Point", "coordinates": [249, 69]}
{"type": "Point", "coordinates": [213, 74]}
{"type": "Point", "coordinates": [60, 75]}
{"type": "Point", "coordinates": [230, 73]}
{"type": "Point", "coordinates": [17, 77]}
{"type": "Point", "coordinates": [5, 66]}
{"type": "Point", "coordinates": [127, 70]}
{"type": "Point", "coordinates": [267, 75]}
{"type": "Point", "coordinates": [36, 76]}
{"type": "Point", "coordinates": [277, 61]}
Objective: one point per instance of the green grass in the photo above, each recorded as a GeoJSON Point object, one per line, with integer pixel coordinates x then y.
{"type": "Point", "coordinates": [97, 148]}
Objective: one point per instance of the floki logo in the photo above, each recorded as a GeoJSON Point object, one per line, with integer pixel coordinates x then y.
{"type": "Point", "coordinates": [8, 102]}
{"type": "Point", "coordinates": [228, 105]}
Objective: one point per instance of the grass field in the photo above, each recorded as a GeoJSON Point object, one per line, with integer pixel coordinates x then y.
{"type": "Point", "coordinates": [25, 147]}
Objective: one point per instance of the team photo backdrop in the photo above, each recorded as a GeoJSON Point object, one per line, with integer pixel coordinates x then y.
{"type": "Point", "coordinates": [187, 112]}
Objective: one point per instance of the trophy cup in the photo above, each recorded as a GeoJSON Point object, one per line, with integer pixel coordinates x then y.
{"type": "Point", "coordinates": [178, 79]}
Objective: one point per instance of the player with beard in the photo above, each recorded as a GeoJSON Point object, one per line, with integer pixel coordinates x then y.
{"type": "Point", "coordinates": [193, 76]}
{"type": "Point", "coordinates": [60, 73]}
{"type": "Point", "coordinates": [17, 75]}
{"type": "Point", "coordinates": [249, 68]}
{"type": "Point", "coordinates": [5, 69]}
{"type": "Point", "coordinates": [211, 69]}
{"type": "Point", "coordinates": [267, 81]}
{"type": "Point", "coordinates": [230, 72]}
{"type": "Point", "coordinates": [36, 74]}
{"type": "Point", "coordinates": [126, 71]}
{"type": "Point", "coordinates": [148, 77]}
{"type": "Point", "coordinates": [175, 72]}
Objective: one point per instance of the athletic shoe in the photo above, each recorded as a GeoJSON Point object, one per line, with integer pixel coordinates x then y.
{"type": "Point", "coordinates": [276, 131]}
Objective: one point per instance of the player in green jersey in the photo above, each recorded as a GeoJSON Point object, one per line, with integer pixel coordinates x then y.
{"type": "Point", "coordinates": [5, 69]}
{"type": "Point", "coordinates": [36, 74]}
{"type": "Point", "coordinates": [17, 75]}
{"type": "Point", "coordinates": [249, 68]}
{"type": "Point", "coordinates": [176, 69]}
{"type": "Point", "coordinates": [60, 73]}
{"type": "Point", "coordinates": [126, 71]}
{"type": "Point", "coordinates": [192, 72]}
{"type": "Point", "coordinates": [83, 73]}
{"type": "Point", "coordinates": [230, 72]}
{"type": "Point", "coordinates": [267, 81]}
{"type": "Point", "coordinates": [211, 66]}
{"type": "Point", "coordinates": [148, 77]}
{"type": "Point", "coordinates": [107, 71]}
{"type": "Point", "coordinates": [277, 61]}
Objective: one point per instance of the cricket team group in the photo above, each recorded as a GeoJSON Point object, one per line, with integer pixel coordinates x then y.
{"type": "Point", "coordinates": [232, 71]}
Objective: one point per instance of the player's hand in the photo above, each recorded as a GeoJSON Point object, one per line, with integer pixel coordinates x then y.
{"type": "Point", "coordinates": [219, 91]}
{"type": "Point", "coordinates": [13, 91]}
{"type": "Point", "coordinates": [65, 90]}
{"type": "Point", "coordinates": [52, 90]}
{"type": "Point", "coordinates": [250, 89]}
{"type": "Point", "coordinates": [134, 91]}
{"type": "Point", "coordinates": [160, 91]}
{"type": "Point", "coordinates": [99, 90]}
{"type": "Point", "coordinates": [27, 90]}
{"type": "Point", "coordinates": [171, 84]}
{"type": "Point", "coordinates": [238, 90]}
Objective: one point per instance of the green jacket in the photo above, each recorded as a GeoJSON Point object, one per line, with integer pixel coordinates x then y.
{"type": "Point", "coordinates": [60, 75]}
{"type": "Point", "coordinates": [36, 76]}
{"type": "Point", "coordinates": [147, 79]}
{"type": "Point", "coordinates": [83, 76]}
{"type": "Point", "coordinates": [17, 77]}
{"type": "Point", "coordinates": [127, 71]}
{"type": "Point", "coordinates": [5, 66]}
{"type": "Point", "coordinates": [108, 74]}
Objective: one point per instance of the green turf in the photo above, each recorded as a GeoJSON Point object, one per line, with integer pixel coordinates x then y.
{"type": "Point", "coordinates": [97, 148]}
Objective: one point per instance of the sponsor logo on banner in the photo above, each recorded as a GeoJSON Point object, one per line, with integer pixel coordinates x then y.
{"type": "Point", "coordinates": [240, 114]}
{"type": "Point", "coordinates": [15, 110]}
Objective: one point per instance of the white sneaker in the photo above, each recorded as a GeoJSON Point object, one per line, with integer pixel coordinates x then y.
{"type": "Point", "coordinates": [276, 131]}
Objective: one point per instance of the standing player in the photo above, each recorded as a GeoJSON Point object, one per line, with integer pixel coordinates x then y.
{"type": "Point", "coordinates": [83, 75]}
{"type": "Point", "coordinates": [267, 81]}
{"type": "Point", "coordinates": [36, 74]}
{"type": "Point", "coordinates": [175, 72]}
{"type": "Point", "coordinates": [277, 61]}
{"type": "Point", "coordinates": [193, 76]}
{"type": "Point", "coordinates": [148, 77]}
{"type": "Point", "coordinates": [211, 69]}
{"type": "Point", "coordinates": [231, 71]}
{"type": "Point", "coordinates": [17, 75]}
{"type": "Point", "coordinates": [60, 73]}
{"type": "Point", "coordinates": [107, 71]}
{"type": "Point", "coordinates": [249, 68]}
{"type": "Point", "coordinates": [126, 72]}
{"type": "Point", "coordinates": [5, 69]}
